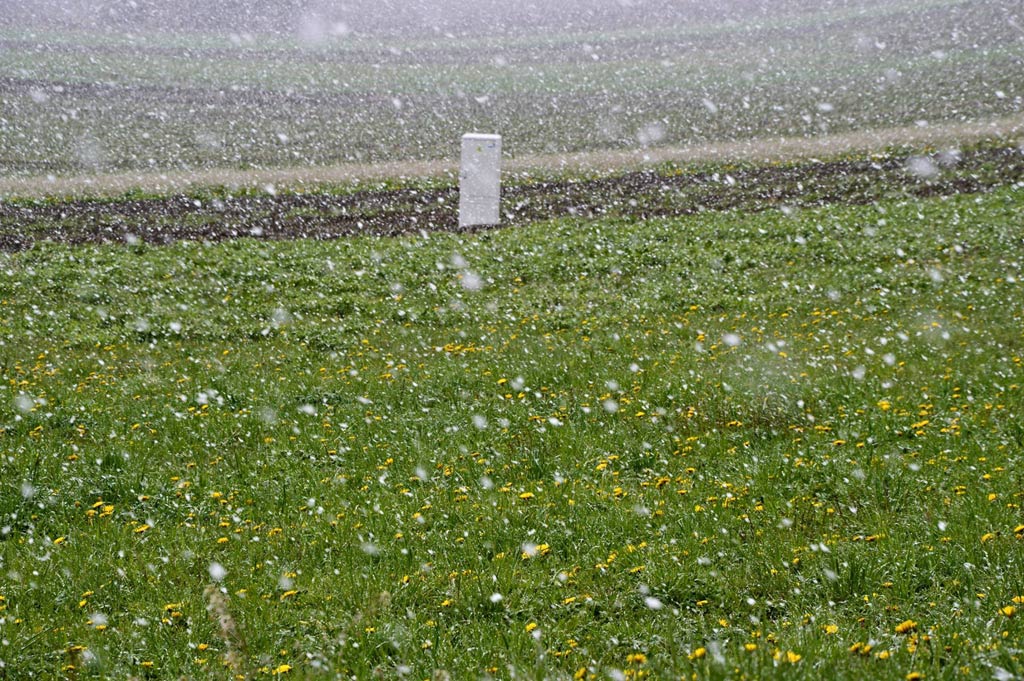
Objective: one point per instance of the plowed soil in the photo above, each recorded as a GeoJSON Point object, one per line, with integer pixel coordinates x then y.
{"type": "Point", "coordinates": [636, 195]}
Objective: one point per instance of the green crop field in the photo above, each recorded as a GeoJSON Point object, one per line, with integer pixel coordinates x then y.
{"type": "Point", "coordinates": [78, 102]}
{"type": "Point", "coordinates": [767, 442]}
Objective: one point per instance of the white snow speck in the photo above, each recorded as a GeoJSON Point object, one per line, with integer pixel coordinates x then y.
{"type": "Point", "coordinates": [217, 572]}
{"type": "Point", "coordinates": [24, 403]}
{"type": "Point", "coordinates": [921, 167]}
{"type": "Point", "coordinates": [471, 281]}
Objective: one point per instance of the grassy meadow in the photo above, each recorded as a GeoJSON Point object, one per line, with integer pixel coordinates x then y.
{"type": "Point", "coordinates": [781, 443]}
{"type": "Point", "coordinates": [717, 420]}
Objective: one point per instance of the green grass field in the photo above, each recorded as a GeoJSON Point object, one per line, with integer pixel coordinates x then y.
{"type": "Point", "coordinates": [715, 420]}
{"type": "Point", "coordinates": [761, 444]}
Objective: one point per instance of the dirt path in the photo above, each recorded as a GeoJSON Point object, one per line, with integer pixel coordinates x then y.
{"type": "Point", "coordinates": [1010, 129]}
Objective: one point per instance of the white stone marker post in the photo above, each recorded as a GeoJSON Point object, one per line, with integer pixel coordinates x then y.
{"type": "Point", "coordinates": [480, 180]}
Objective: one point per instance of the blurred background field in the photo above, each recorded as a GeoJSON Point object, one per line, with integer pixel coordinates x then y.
{"type": "Point", "coordinates": [127, 95]}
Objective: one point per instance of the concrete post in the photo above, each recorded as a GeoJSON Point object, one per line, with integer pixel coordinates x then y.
{"type": "Point", "coordinates": [480, 180]}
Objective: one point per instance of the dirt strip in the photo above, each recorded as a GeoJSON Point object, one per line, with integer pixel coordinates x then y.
{"type": "Point", "coordinates": [640, 194]}
{"type": "Point", "coordinates": [1008, 129]}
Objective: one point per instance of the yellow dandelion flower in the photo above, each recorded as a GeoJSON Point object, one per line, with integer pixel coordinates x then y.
{"type": "Point", "coordinates": [906, 626]}
{"type": "Point", "coordinates": [831, 629]}
{"type": "Point", "coordinates": [530, 627]}
{"type": "Point", "coordinates": [636, 658]}
{"type": "Point", "coordinates": [1008, 611]}
{"type": "Point", "coordinates": [141, 528]}
{"type": "Point", "coordinates": [861, 648]}
{"type": "Point", "coordinates": [282, 669]}
{"type": "Point", "coordinates": [914, 676]}
{"type": "Point", "coordinates": [698, 654]}
{"type": "Point", "coordinates": [526, 495]}
{"type": "Point", "coordinates": [988, 536]}
{"type": "Point", "coordinates": [750, 647]}
{"type": "Point", "coordinates": [289, 594]}
{"type": "Point", "coordinates": [60, 540]}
